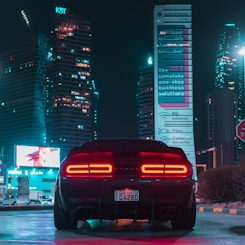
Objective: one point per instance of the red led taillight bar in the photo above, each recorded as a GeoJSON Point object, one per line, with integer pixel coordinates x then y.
{"type": "Point", "coordinates": [87, 170]}
{"type": "Point", "coordinates": [166, 170]}
{"type": "Point", "coordinates": [88, 165]}
{"type": "Point", "coordinates": [165, 165]}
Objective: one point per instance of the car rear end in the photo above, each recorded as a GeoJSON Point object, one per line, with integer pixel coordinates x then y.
{"type": "Point", "coordinates": [146, 183]}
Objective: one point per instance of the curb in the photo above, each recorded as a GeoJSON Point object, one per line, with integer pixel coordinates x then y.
{"type": "Point", "coordinates": [234, 211]}
{"type": "Point", "coordinates": [200, 209]}
{"type": "Point", "coordinates": [26, 207]}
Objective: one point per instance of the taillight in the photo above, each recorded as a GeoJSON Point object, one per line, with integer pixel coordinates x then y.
{"type": "Point", "coordinates": [166, 170]}
{"type": "Point", "coordinates": [152, 168]}
{"type": "Point", "coordinates": [87, 170]}
{"type": "Point", "coordinates": [165, 165]}
{"type": "Point", "coordinates": [96, 164]}
{"type": "Point", "coordinates": [176, 169]}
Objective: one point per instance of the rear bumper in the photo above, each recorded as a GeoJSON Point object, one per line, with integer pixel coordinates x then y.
{"type": "Point", "coordinates": [133, 210]}
{"type": "Point", "coordinates": [93, 199]}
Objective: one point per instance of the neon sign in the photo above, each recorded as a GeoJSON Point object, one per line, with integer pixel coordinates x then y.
{"type": "Point", "coordinates": [60, 10]}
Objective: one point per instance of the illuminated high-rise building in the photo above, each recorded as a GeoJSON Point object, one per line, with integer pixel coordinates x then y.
{"type": "Point", "coordinates": [226, 102]}
{"type": "Point", "coordinates": [145, 101]}
{"type": "Point", "coordinates": [173, 75]}
{"type": "Point", "coordinates": [228, 66]}
{"type": "Point", "coordinates": [22, 98]}
{"type": "Point", "coordinates": [72, 96]}
{"type": "Point", "coordinates": [47, 96]}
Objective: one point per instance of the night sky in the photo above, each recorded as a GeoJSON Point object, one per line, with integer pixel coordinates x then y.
{"type": "Point", "coordinates": [122, 40]}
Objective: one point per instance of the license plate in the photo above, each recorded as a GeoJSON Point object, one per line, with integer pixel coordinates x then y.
{"type": "Point", "coordinates": [126, 195]}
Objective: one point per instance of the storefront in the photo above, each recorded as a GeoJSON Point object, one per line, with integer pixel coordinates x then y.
{"type": "Point", "coordinates": [39, 180]}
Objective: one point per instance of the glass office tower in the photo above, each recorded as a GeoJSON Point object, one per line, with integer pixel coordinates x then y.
{"type": "Point", "coordinates": [144, 99]}
{"type": "Point", "coordinates": [22, 98]}
{"type": "Point", "coordinates": [228, 67]}
{"type": "Point", "coordinates": [72, 97]}
{"type": "Point", "coordinates": [229, 76]}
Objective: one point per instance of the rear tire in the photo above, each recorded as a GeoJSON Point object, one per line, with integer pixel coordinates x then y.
{"type": "Point", "coordinates": [61, 222]}
{"type": "Point", "coordinates": [185, 219]}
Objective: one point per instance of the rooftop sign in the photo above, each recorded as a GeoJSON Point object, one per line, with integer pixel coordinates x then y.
{"type": "Point", "coordinates": [60, 10]}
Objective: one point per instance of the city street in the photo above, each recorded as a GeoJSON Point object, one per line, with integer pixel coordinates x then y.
{"type": "Point", "coordinates": [36, 227]}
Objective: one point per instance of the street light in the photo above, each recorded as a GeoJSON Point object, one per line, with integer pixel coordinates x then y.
{"type": "Point", "coordinates": [242, 52]}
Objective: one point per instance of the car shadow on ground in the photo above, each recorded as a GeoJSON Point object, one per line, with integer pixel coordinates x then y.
{"type": "Point", "coordinates": [107, 228]}
{"type": "Point", "coordinates": [239, 230]}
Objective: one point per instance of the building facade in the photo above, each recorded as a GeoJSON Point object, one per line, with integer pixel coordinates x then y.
{"type": "Point", "coordinates": [173, 76]}
{"type": "Point", "coordinates": [47, 99]}
{"type": "Point", "coordinates": [229, 76]}
{"type": "Point", "coordinates": [72, 96]}
{"type": "Point", "coordinates": [145, 101]}
{"type": "Point", "coordinates": [228, 67]}
{"type": "Point", "coordinates": [222, 119]}
{"type": "Point", "coordinates": [23, 97]}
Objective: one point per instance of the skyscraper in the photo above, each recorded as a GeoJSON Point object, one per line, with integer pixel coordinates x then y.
{"type": "Point", "coordinates": [72, 95]}
{"type": "Point", "coordinates": [23, 92]}
{"type": "Point", "coordinates": [228, 66]}
{"type": "Point", "coordinates": [224, 113]}
{"type": "Point", "coordinates": [173, 76]}
{"type": "Point", "coordinates": [145, 101]}
{"type": "Point", "coordinates": [48, 97]}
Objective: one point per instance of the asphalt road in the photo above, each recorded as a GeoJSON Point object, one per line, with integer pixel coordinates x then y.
{"type": "Point", "coordinates": [36, 227]}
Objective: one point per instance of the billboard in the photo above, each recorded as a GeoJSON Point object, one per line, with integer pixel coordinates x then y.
{"type": "Point", "coordinates": [173, 88]}
{"type": "Point", "coordinates": [37, 156]}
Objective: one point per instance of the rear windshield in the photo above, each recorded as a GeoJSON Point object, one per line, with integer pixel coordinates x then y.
{"type": "Point", "coordinates": [126, 146]}
{"type": "Point", "coordinates": [123, 145]}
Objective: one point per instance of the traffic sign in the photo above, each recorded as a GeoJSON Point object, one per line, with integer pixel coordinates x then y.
{"type": "Point", "coordinates": [240, 130]}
